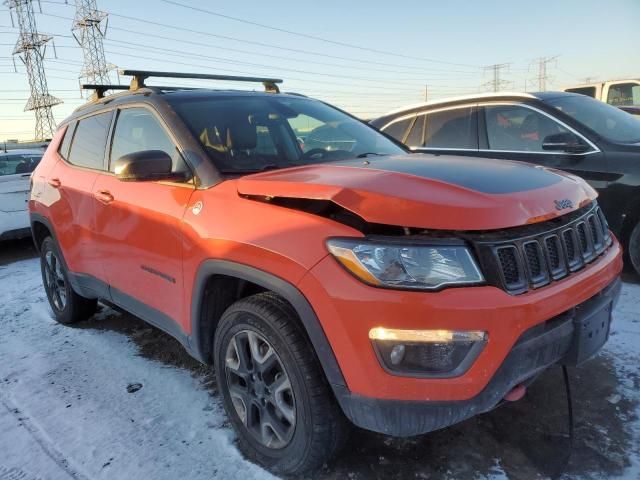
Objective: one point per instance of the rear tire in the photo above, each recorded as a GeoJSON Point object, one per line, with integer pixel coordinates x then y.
{"type": "Point", "coordinates": [67, 306]}
{"type": "Point", "coordinates": [263, 330]}
{"type": "Point", "coordinates": [634, 248]}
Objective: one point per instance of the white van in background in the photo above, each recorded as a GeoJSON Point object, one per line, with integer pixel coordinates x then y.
{"type": "Point", "coordinates": [614, 92]}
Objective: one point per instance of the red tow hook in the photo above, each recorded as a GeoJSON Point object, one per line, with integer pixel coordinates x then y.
{"type": "Point", "coordinates": [516, 393]}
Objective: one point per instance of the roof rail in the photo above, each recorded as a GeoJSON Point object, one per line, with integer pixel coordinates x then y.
{"type": "Point", "coordinates": [139, 76]}
{"type": "Point", "coordinates": [100, 89]}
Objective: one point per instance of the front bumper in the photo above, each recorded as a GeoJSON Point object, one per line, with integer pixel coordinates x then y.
{"type": "Point", "coordinates": [537, 348]}
{"type": "Point", "coordinates": [348, 309]}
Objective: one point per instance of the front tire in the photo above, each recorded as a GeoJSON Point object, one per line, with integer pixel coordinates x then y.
{"type": "Point", "coordinates": [273, 388]}
{"type": "Point", "coordinates": [634, 248]}
{"type": "Point", "coordinates": [67, 306]}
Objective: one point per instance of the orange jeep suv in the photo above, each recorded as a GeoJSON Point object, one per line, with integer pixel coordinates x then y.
{"type": "Point", "coordinates": [330, 276]}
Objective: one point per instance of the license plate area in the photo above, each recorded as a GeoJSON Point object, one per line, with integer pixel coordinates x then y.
{"type": "Point", "coordinates": [591, 331]}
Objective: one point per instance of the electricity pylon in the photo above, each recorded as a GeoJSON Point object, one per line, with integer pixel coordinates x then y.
{"type": "Point", "coordinates": [89, 28]}
{"type": "Point", "coordinates": [497, 83]}
{"type": "Point", "coordinates": [31, 48]}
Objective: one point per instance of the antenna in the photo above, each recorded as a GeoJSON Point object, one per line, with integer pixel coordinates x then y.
{"type": "Point", "coordinates": [31, 49]}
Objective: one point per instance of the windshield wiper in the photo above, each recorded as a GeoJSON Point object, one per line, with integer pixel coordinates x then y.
{"type": "Point", "coordinates": [366, 154]}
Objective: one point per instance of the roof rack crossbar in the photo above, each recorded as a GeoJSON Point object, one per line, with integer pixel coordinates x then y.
{"type": "Point", "coordinates": [100, 89]}
{"type": "Point", "coordinates": [139, 77]}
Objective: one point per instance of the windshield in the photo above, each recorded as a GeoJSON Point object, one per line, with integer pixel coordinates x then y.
{"type": "Point", "coordinates": [251, 134]}
{"type": "Point", "coordinates": [609, 122]}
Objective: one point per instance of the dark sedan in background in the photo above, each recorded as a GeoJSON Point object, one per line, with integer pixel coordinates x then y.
{"type": "Point", "coordinates": [568, 131]}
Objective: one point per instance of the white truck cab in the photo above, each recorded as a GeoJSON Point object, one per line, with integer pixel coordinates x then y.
{"type": "Point", "coordinates": [15, 172]}
{"type": "Point", "coordinates": [614, 92]}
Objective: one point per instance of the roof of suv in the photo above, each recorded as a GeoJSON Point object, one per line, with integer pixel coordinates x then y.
{"type": "Point", "coordinates": [128, 94]}
{"type": "Point", "coordinates": [542, 96]}
{"type": "Point", "coordinates": [161, 93]}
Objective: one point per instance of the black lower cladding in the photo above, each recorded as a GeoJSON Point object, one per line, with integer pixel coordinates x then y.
{"type": "Point", "coordinates": [546, 344]}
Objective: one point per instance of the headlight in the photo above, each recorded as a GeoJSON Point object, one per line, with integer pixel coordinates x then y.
{"type": "Point", "coordinates": [421, 266]}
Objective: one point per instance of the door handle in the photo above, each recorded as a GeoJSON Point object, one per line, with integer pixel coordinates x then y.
{"type": "Point", "coordinates": [54, 182]}
{"type": "Point", "coordinates": [103, 196]}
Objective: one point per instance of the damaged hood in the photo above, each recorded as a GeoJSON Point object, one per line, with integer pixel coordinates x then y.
{"type": "Point", "coordinates": [430, 191]}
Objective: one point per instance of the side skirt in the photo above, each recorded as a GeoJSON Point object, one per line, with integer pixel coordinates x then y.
{"type": "Point", "coordinates": [91, 287]}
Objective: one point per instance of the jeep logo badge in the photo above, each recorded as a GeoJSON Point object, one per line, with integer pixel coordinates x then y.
{"type": "Point", "coordinates": [197, 208]}
{"type": "Point", "coordinates": [562, 204]}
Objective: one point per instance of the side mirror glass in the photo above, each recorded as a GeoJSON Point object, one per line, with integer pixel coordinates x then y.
{"type": "Point", "coordinates": [147, 165]}
{"type": "Point", "coordinates": [564, 142]}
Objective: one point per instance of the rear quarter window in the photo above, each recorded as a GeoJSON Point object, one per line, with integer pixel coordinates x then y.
{"type": "Point", "coordinates": [398, 128]}
{"type": "Point", "coordinates": [66, 141]}
{"type": "Point", "coordinates": [89, 141]}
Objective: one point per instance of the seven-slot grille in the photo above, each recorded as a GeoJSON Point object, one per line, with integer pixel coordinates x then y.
{"type": "Point", "coordinates": [533, 256]}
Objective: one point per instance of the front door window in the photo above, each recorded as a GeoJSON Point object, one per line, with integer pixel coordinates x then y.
{"type": "Point", "coordinates": [515, 128]}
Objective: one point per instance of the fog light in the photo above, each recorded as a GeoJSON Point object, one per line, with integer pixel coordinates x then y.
{"type": "Point", "coordinates": [397, 354]}
{"type": "Point", "coordinates": [430, 336]}
{"type": "Point", "coordinates": [428, 353]}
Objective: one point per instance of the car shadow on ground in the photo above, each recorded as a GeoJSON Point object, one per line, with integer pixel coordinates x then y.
{"type": "Point", "coordinates": [526, 439]}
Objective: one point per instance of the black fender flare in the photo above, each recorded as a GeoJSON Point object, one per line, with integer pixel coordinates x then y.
{"type": "Point", "coordinates": [289, 292]}
{"type": "Point", "coordinates": [37, 218]}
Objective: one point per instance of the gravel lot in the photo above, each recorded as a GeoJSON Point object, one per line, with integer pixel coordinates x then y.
{"type": "Point", "coordinates": [115, 398]}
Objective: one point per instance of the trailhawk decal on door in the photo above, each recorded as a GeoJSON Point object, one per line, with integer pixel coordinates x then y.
{"type": "Point", "coordinates": [158, 273]}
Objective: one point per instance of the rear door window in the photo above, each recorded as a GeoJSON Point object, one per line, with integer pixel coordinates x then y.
{"type": "Point", "coordinates": [451, 129]}
{"type": "Point", "coordinates": [90, 140]}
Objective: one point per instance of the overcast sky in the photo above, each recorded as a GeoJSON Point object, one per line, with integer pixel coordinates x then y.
{"type": "Point", "coordinates": [367, 57]}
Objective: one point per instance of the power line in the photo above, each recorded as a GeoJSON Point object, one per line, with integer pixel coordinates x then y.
{"type": "Point", "coordinates": [180, 54]}
{"type": "Point", "coordinates": [260, 44]}
{"type": "Point", "coordinates": [313, 37]}
{"type": "Point", "coordinates": [306, 80]}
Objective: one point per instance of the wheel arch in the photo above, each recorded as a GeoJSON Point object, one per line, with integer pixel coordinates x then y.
{"type": "Point", "coordinates": [203, 327]}
{"type": "Point", "coordinates": [41, 228]}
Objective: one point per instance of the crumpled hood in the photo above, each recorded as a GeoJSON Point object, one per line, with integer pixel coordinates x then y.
{"type": "Point", "coordinates": [430, 191]}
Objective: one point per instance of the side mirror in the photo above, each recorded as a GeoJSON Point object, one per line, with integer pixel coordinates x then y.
{"type": "Point", "coordinates": [147, 165]}
{"type": "Point", "coordinates": [564, 142]}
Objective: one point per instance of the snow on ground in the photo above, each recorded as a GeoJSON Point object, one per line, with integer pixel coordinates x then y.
{"type": "Point", "coordinates": [66, 412]}
{"type": "Point", "coordinates": [624, 349]}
